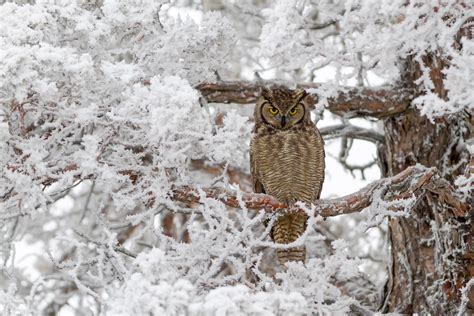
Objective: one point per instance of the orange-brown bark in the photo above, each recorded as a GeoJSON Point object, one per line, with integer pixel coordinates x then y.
{"type": "Point", "coordinates": [412, 182]}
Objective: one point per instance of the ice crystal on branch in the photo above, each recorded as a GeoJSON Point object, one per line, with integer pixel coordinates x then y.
{"type": "Point", "coordinates": [110, 155]}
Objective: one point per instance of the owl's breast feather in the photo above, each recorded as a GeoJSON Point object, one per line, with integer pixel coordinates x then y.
{"type": "Point", "coordinates": [290, 164]}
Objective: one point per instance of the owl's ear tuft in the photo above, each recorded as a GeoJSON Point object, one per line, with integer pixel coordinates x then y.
{"type": "Point", "coordinates": [300, 94]}
{"type": "Point", "coordinates": [266, 92]}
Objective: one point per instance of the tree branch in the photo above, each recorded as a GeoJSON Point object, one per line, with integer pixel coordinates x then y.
{"type": "Point", "coordinates": [413, 181]}
{"type": "Point", "coordinates": [351, 131]}
{"type": "Point", "coordinates": [355, 102]}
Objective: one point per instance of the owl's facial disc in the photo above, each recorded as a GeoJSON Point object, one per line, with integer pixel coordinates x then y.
{"type": "Point", "coordinates": [293, 116]}
{"type": "Point", "coordinates": [282, 116]}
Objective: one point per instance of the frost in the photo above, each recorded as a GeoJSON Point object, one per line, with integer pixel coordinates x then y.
{"type": "Point", "coordinates": [240, 300]}
{"type": "Point", "coordinates": [101, 121]}
{"type": "Point", "coordinates": [464, 296]}
{"type": "Point", "coordinates": [459, 84]}
{"type": "Point", "coordinates": [465, 183]}
{"type": "Point", "coordinates": [155, 289]}
{"type": "Point", "coordinates": [11, 303]}
{"type": "Point", "coordinates": [181, 297]}
{"type": "Point", "coordinates": [283, 33]}
{"type": "Point", "coordinates": [232, 139]}
{"type": "Point", "coordinates": [142, 297]}
{"type": "Point", "coordinates": [376, 36]}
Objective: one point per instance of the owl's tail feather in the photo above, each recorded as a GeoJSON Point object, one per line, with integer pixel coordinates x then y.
{"type": "Point", "coordinates": [292, 254]}
{"type": "Point", "coordinates": [287, 229]}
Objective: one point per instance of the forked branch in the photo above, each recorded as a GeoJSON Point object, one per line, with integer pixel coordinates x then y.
{"type": "Point", "coordinates": [414, 181]}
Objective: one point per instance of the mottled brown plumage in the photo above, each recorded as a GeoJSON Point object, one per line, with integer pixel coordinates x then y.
{"type": "Point", "coordinates": [287, 160]}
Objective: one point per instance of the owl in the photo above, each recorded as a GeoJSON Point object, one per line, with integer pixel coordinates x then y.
{"type": "Point", "coordinates": [287, 160]}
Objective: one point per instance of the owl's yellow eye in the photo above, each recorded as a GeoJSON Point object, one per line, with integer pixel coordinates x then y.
{"type": "Point", "coordinates": [293, 111]}
{"type": "Point", "coordinates": [273, 110]}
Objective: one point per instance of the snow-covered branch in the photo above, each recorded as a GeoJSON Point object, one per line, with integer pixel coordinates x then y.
{"type": "Point", "coordinates": [351, 102]}
{"type": "Point", "coordinates": [113, 165]}
{"type": "Point", "coordinates": [414, 181]}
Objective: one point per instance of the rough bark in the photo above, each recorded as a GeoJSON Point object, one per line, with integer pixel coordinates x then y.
{"type": "Point", "coordinates": [432, 251]}
{"type": "Point", "coordinates": [412, 182]}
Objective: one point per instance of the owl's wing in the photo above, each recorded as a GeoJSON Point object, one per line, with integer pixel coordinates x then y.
{"type": "Point", "coordinates": [321, 165]}
{"type": "Point", "coordinates": [257, 185]}
{"type": "Point", "coordinates": [318, 192]}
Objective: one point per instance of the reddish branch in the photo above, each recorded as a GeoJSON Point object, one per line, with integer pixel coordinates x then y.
{"type": "Point", "coordinates": [379, 103]}
{"type": "Point", "coordinates": [414, 181]}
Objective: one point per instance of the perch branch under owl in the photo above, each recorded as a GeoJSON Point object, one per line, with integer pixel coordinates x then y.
{"type": "Point", "coordinates": [413, 182]}
{"type": "Point", "coordinates": [351, 102]}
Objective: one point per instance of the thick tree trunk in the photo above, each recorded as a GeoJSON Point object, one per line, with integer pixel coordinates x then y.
{"type": "Point", "coordinates": [432, 250]}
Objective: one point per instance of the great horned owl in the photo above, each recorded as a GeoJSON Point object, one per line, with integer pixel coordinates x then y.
{"type": "Point", "coordinates": [287, 160]}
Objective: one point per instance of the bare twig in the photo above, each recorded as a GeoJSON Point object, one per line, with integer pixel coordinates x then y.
{"type": "Point", "coordinates": [361, 168]}
{"type": "Point", "coordinates": [346, 145]}
{"type": "Point", "coordinates": [351, 131]}
{"type": "Point", "coordinates": [321, 26]}
{"type": "Point", "coordinates": [106, 246]}
{"type": "Point", "coordinates": [86, 204]}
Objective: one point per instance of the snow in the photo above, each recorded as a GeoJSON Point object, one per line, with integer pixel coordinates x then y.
{"type": "Point", "coordinates": [100, 119]}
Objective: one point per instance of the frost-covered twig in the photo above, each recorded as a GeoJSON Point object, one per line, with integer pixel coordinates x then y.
{"type": "Point", "coordinates": [413, 181]}
{"type": "Point", "coordinates": [353, 102]}
{"type": "Point", "coordinates": [466, 289]}
{"type": "Point", "coordinates": [102, 244]}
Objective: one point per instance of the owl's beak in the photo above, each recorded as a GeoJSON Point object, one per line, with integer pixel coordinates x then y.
{"type": "Point", "coordinates": [283, 121]}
